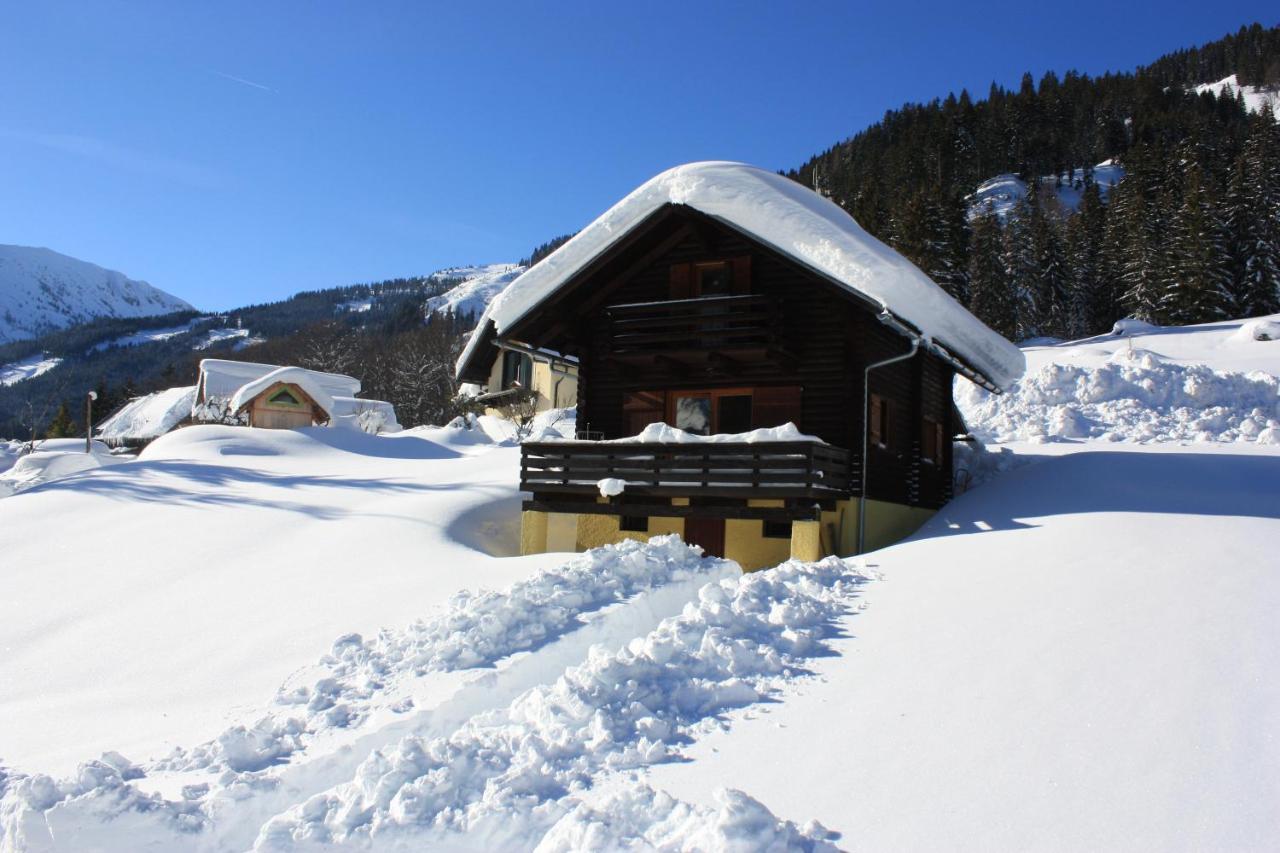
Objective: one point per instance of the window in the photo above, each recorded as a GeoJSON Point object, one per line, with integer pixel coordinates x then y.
{"type": "Point", "coordinates": [878, 421]}
{"type": "Point", "coordinates": [516, 368]}
{"type": "Point", "coordinates": [713, 279]}
{"type": "Point", "coordinates": [285, 398]}
{"type": "Point", "coordinates": [931, 441]}
{"type": "Point", "coordinates": [775, 529]}
{"type": "Point", "coordinates": [634, 523]}
{"type": "Point", "coordinates": [693, 413]}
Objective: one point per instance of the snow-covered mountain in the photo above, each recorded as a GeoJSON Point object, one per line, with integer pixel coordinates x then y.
{"type": "Point", "coordinates": [41, 290]}
{"type": "Point", "coordinates": [474, 294]}
{"type": "Point", "coordinates": [1004, 191]}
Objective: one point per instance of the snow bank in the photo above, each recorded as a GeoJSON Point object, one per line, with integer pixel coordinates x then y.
{"type": "Point", "coordinates": [1134, 396]}
{"type": "Point", "coordinates": [150, 415]}
{"type": "Point", "coordinates": [372, 416]}
{"type": "Point", "coordinates": [640, 817]}
{"type": "Point", "coordinates": [53, 460]}
{"type": "Point", "coordinates": [506, 778]}
{"type": "Point", "coordinates": [792, 219]}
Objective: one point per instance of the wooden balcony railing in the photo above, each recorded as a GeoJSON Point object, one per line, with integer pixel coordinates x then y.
{"type": "Point", "coordinates": [713, 323]}
{"type": "Point", "coordinates": [791, 469]}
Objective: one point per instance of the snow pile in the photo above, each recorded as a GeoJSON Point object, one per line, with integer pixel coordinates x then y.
{"type": "Point", "coordinates": [611, 487]}
{"type": "Point", "coordinates": [638, 817]}
{"type": "Point", "coordinates": [1255, 97]}
{"type": "Point", "coordinates": [1003, 192]}
{"type": "Point", "coordinates": [477, 630]}
{"type": "Point", "coordinates": [54, 459]}
{"type": "Point", "coordinates": [472, 296]}
{"type": "Point", "coordinates": [793, 220]}
{"type": "Point", "coordinates": [1135, 396]}
{"type": "Point", "coordinates": [660, 433]}
{"type": "Point", "coordinates": [1262, 330]}
{"type": "Point", "coordinates": [41, 290]}
{"type": "Point", "coordinates": [27, 368]}
{"type": "Point", "coordinates": [505, 778]}
{"type": "Point", "coordinates": [375, 417]}
{"type": "Point", "coordinates": [149, 416]}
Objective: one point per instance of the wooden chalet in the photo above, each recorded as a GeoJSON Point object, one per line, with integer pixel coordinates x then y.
{"type": "Point", "coordinates": [721, 299]}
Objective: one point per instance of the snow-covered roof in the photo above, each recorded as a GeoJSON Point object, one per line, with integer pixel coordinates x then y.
{"type": "Point", "coordinates": [222, 378]}
{"type": "Point", "coordinates": [150, 415]}
{"type": "Point", "coordinates": [304, 379]}
{"type": "Point", "coordinates": [791, 219]}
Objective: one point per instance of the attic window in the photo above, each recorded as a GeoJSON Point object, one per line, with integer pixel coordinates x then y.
{"type": "Point", "coordinates": [517, 368]}
{"type": "Point", "coordinates": [714, 279]}
{"type": "Point", "coordinates": [283, 396]}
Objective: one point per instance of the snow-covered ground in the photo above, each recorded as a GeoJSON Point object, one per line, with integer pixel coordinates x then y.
{"type": "Point", "coordinates": [1255, 97]}
{"type": "Point", "coordinates": [474, 294]}
{"type": "Point", "coordinates": [147, 336]}
{"type": "Point", "coordinates": [1004, 191]}
{"type": "Point", "coordinates": [252, 640]}
{"type": "Point", "coordinates": [27, 368]}
{"type": "Point", "coordinates": [1217, 382]}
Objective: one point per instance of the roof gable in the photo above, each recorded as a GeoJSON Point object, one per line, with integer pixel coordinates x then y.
{"type": "Point", "coordinates": [795, 222]}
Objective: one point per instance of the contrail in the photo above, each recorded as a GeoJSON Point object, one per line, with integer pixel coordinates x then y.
{"type": "Point", "coordinates": [235, 79]}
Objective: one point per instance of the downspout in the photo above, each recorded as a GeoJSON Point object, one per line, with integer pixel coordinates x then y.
{"type": "Point", "coordinates": [889, 320]}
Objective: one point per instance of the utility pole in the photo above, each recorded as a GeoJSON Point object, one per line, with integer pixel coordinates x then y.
{"type": "Point", "coordinates": [88, 421]}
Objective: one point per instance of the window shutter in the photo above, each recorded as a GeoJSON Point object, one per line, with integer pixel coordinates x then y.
{"type": "Point", "coordinates": [877, 420]}
{"type": "Point", "coordinates": [681, 281]}
{"type": "Point", "coordinates": [772, 407]}
{"type": "Point", "coordinates": [741, 275]}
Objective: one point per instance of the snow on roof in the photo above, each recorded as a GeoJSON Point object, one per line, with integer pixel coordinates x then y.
{"type": "Point", "coordinates": [150, 415]}
{"type": "Point", "coordinates": [304, 379]}
{"type": "Point", "coordinates": [796, 222]}
{"type": "Point", "coordinates": [222, 378]}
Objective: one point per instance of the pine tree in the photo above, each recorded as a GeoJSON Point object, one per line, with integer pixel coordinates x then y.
{"type": "Point", "coordinates": [1198, 282]}
{"type": "Point", "coordinates": [992, 298]}
{"type": "Point", "coordinates": [1253, 202]}
{"type": "Point", "coordinates": [1092, 307]}
{"type": "Point", "coordinates": [1020, 268]}
{"type": "Point", "coordinates": [62, 426]}
{"type": "Point", "coordinates": [1051, 281]}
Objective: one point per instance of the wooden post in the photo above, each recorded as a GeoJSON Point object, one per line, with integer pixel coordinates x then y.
{"type": "Point", "coordinates": [88, 420]}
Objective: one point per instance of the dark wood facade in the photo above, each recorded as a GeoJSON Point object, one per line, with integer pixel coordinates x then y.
{"type": "Point", "coordinates": [688, 306]}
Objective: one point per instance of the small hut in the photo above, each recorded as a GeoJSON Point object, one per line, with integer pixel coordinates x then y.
{"type": "Point", "coordinates": [286, 398]}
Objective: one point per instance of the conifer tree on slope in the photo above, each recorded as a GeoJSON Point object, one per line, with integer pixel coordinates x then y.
{"type": "Point", "coordinates": [1020, 268]}
{"type": "Point", "coordinates": [991, 295]}
{"type": "Point", "coordinates": [1254, 221]}
{"type": "Point", "coordinates": [1196, 289]}
{"type": "Point", "coordinates": [1092, 306]}
{"type": "Point", "coordinates": [1050, 288]}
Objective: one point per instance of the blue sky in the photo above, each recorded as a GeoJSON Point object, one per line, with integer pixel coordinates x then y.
{"type": "Point", "coordinates": [239, 152]}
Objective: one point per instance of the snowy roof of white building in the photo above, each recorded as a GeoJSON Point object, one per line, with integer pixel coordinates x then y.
{"type": "Point", "coordinates": [150, 415]}
{"type": "Point", "coordinates": [304, 379]}
{"type": "Point", "coordinates": [792, 220]}
{"type": "Point", "coordinates": [222, 378]}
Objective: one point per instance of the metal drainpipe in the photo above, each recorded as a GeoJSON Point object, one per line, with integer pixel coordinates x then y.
{"type": "Point", "coordinates": [886, 318]}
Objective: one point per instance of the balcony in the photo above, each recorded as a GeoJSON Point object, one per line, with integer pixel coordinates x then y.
{"type": "Point", "coordinates": [805, 471]}
{"type": "Point", "coordinates": [694, 330]}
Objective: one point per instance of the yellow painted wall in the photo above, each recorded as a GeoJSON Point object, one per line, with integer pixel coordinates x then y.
{"type": "Point", "coordinates": [744, 540]}
{"type": "Point", "coordinates": [544, 385]}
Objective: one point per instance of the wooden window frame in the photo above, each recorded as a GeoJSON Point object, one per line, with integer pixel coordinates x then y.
{"type": "Point", "coordinates": [932, 445]}
{"type": "Point", "coordinates": [711, 393]}
{"type": "Point", "coordinates": [523, 364]}
{"type": "Point", "coordinates": [878, 422]}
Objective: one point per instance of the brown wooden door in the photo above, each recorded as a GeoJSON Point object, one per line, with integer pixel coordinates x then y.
{"type": "Point", "coordinates": [707, 532]}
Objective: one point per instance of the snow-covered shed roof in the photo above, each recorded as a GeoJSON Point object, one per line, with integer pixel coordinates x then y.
{"type": "Point", "coordinates": [304, 379]}
{"type": "Point", "coordinates": [794, 221]}
{"type": "Point", "coordinates": [149, 416]}
{"type": "Point", "coordinates": [222, 378]}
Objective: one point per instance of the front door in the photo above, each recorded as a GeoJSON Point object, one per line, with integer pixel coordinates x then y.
{"type": "Point", "coordinates": [707, 532]}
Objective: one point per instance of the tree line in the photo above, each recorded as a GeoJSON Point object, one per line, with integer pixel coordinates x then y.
{"type": "Point", "coordinates": [1189, 235]}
